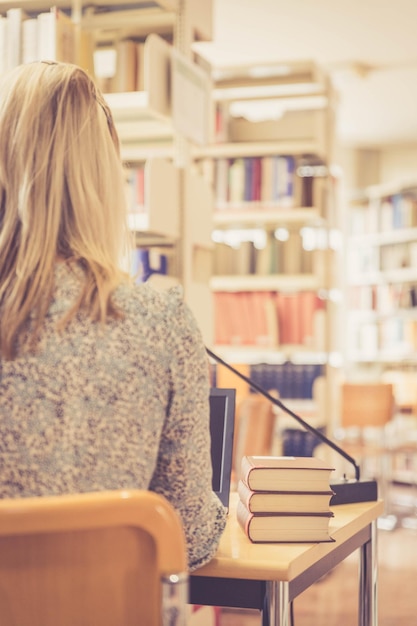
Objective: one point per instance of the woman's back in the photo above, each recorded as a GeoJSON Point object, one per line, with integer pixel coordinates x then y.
{"type": "Point", "coordinates": [121, 405]}
{"type": "Point", "coordinates": [103, 385]}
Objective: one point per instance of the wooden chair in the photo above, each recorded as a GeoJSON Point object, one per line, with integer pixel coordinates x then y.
{"type": "Point", "coordinates": [115, 558]}
{"type": "Point", "coordinates": [366, 410]}
{"type": "Point", "coordinates": [366, 404]}
{"type": "Point", "coordinates": [405, 434]}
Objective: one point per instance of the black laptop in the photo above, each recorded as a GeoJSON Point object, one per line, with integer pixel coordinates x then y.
{"type": "Point", "coordinates": [222, 421]}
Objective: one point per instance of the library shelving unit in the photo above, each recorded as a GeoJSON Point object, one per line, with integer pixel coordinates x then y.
{"type": "Point", "coordinates": [269, 165]}
{"type": "Point", "coordinates": [381, 312]}
{"type": "Point", "coordinates": [154, 123]}
{"type": "Point", "coordinates": [382, 278]}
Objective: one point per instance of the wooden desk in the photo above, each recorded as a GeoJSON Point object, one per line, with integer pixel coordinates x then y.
{"type": "Point", "coordinates": [269, 576]}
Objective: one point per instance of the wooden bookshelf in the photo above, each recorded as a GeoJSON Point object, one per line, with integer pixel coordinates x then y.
{"type": "Point", "coordinates": [382, 277]}
{"type": "Point", "coordinates": [304, 134]}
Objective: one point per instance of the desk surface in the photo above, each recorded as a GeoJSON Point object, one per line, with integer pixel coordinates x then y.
{"type": "Point", "coordinates": [238, 558]}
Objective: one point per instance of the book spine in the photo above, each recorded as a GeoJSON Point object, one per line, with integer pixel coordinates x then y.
{"type": "Point", "coordinates": [244, 517]}
{"type": "Point", "coordinates": [244, 494]}
{"type": "Point", "coordinates": [245, 470]}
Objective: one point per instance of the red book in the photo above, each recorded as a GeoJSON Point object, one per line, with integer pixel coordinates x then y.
{"type": "Point", "coordinates": [310, 302]}
{"type": "Point", "coordinates": [222, 322]}
{"type": "Point", "coordinates": [256, 179]}
{"type": "Point", "coordinates": [289, 317]}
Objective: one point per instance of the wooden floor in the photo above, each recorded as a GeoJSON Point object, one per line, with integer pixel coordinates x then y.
{"type": "Point", "coordinates": [334, 599]}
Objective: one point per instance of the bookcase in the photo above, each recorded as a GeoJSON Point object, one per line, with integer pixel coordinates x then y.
{"type": "Point", "coordinates": [381, 301]}
{"type": "Point", "coordinates": [276, 227]}
{"type": "Point", "coordinates": [382, 278]}
{"type": "Point", "coordinates": [149, 44]}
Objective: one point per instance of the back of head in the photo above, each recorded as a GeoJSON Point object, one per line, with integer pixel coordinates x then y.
{"type": "Point", "coordinates": [61, 191]}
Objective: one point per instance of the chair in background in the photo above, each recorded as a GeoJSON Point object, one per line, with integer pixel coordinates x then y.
{"type": "Point", "coordinates": [405, 437]}
{"type": "Point", "coordinates": [94, 559]}
{"type": "Point", "coordinates": [366, 410]}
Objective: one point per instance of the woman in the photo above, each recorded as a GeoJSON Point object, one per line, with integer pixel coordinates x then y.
{"type": "Point", "coordinates": [103, 384]}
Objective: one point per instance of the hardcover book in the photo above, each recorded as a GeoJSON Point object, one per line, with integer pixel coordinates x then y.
{"type": "Point", "coordinates": [285, 473]}
{"type": "Point", "coordinates": [284, 527]}
{"type": "Point", "coordinates": [284, 501]}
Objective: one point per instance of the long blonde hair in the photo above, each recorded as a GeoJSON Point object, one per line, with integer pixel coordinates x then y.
{"type": "Point", "coordinates": [61, 195]}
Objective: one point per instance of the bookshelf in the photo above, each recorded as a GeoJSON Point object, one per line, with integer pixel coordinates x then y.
{"type": "Point", "coordinates": [382, 278]}
{"type": "Point", "coordinates": [381, 301]}
{"type": "Point", "coordinates": [154, 144]}
{"type": "Point", "coordinates": [274, 262]}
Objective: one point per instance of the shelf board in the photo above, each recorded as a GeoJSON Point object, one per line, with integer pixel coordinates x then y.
{"type": "Point", "coordinates": [388, 358]}
{"type": "Point", "coordinates": [109, 21]}
{"type": "Point", "coordinates": [34, 5]}
{"type": "Point", "coordinates": [273, 355]}
{"type": "Point", "coordinates": [150, 239]}
{"type": "Point", "coordinates": [301, 78]}
{"type": "Point", "coordinates": [255, 148]}
{"type": "Point", "coordinates": [389, 189]}
{"type": "Point", "coordinates": [137, 152]}
{"type": "Point", "coordinates": [400, 275]}
{"type": "Point", "coordinates": [273, 282]}
{"type": "Point", "coordinates": [400, 235]}
{"type": "Point", "coordinates": [360, 316]}
{"type": "Point", "coordinates": [263, 214]}
{"type": "Point", "coordinates": [138, 17]}
{"type": "Point", "coordinates": [136, 121]}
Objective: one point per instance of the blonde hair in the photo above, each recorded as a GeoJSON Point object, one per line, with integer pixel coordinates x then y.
{"type": "Point", "coordinates": [61, 195]}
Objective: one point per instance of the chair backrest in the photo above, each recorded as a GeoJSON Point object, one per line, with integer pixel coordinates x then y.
{"type": "Point", "coordinates": [405, 389]}
{"type": "Point", "coordinates": [96, 559]}
{"type": "Point", "coordinates": [366, 404]}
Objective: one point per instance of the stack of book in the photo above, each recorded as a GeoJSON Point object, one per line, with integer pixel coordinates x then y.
{"type": "Point", "coordinates": [284, 499]}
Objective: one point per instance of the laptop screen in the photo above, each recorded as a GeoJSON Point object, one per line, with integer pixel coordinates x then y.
{"type": "Point", "coordinates": [222, 419]}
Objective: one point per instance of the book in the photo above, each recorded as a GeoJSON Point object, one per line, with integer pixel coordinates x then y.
{"type": "Point", "coordinates": [3, 44]}
{"type": "Point", "coordinates": [30, 40]}
{"type": "Point", "coordinates": [284, 501]}
{"type": "Point", "coordinates": [56, 36]}
{"type": "Point", "coordinates": [84, 50]}
{"type": "Point", "coordinates": [15, 17]}
{"type": "Point", "coordinates": [285, 473]}
{"type": "Point", "coordinates": [126, 66]}
{"type": "Point", "coordinates": [140, 67]}
{"type": "Point", "coordinates": [284, 527]}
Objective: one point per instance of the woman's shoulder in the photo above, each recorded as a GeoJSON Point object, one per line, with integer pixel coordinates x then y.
{"type": "Point", "coordinates": [145, 299]}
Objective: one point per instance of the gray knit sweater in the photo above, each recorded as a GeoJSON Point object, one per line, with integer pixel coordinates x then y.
{"type": "Point", "coordinates": [120, 406]}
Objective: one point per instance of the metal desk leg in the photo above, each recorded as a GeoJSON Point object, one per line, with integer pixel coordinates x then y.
{"type": "Point", "coordinates": [368, 581]}
{"type": "Point", "coordinates": [278, 595]}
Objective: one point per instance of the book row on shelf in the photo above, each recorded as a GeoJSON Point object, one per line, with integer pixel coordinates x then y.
{"type": "Point", "coordinates": [277, 180]}
{"type": "Point", "coordinates": [384, 214]}
{"type": "Point", "coordinates": [386, 298]}
{"type": "Point", "coordinates": [284, 499]}
{"type": "Point", "coordinates": [120, 67]}
{"type": "Point", "coordinates": [263, 252]}
{"type": "Point", "coordinates": [270, 319]}
{"type": "Point", "coordinates": [289, 380]}
{"type": "Point", "coordinates": [386, 257]}
{"type": "Point", "coordinates": [395, 335]}
{"type": "Point", "coordinates": [51, 35]}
